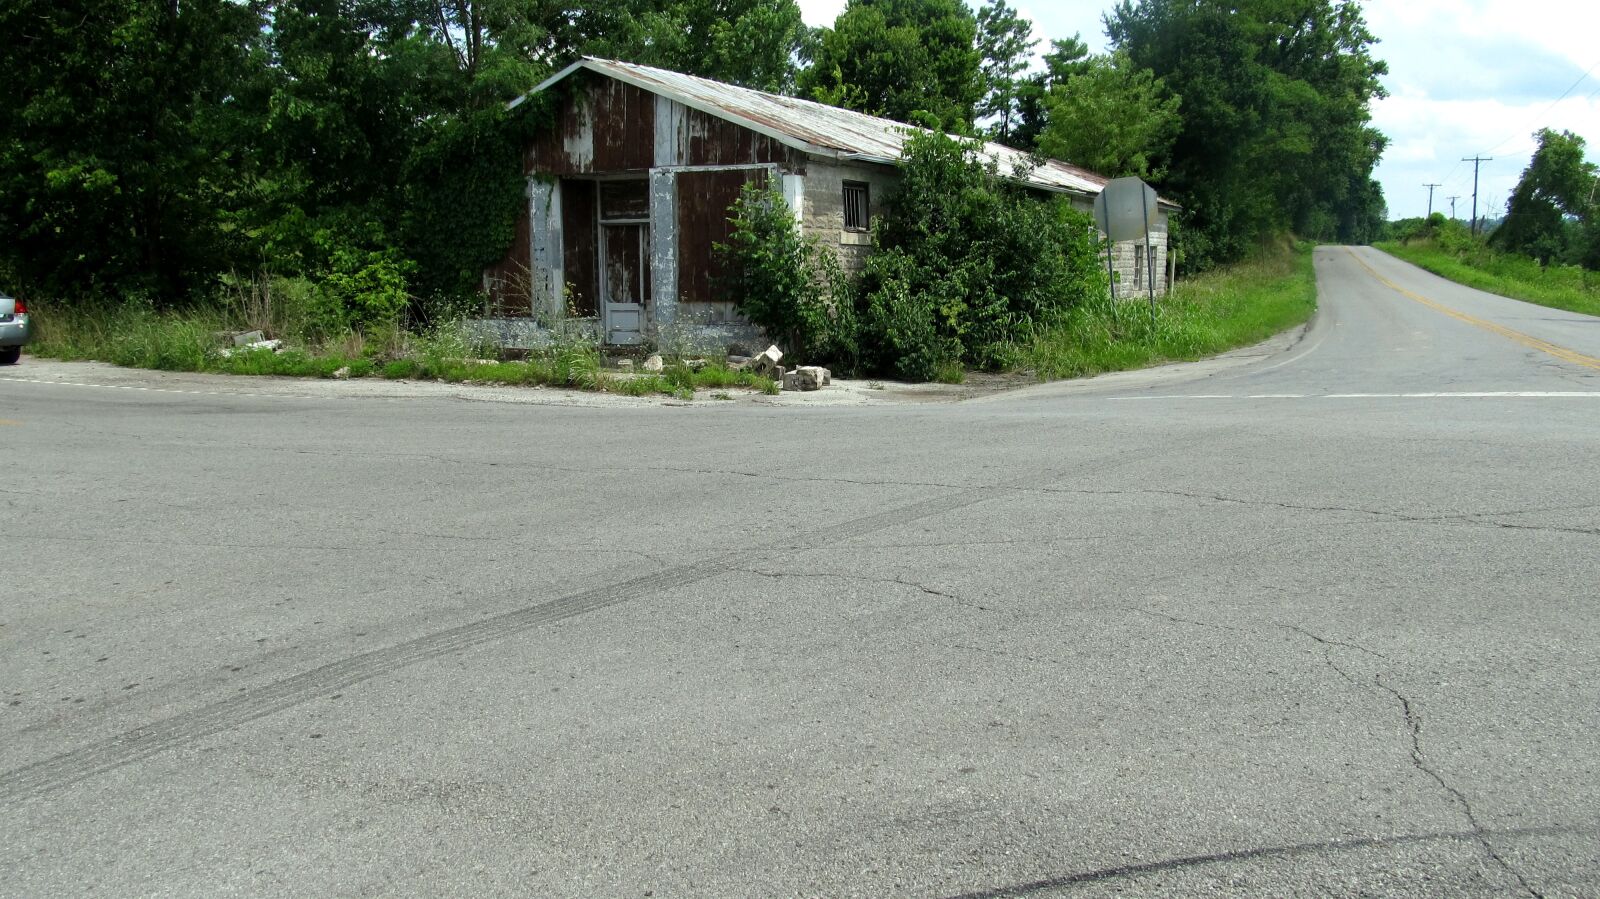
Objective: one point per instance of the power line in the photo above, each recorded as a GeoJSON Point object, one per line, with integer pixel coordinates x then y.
{"type": "Point", "coordinates": [1430, 188]}
{"type": "Point", "coordinates": [1547, 109]}
{"type": "Point", "coordinates": [1452, 206]}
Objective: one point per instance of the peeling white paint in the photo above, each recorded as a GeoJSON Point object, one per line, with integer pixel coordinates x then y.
{"type": "Point", "coordinates": [664, 244]}
{"type": "Point", "coordinates": [671, 122]}
{"type": "Point", "coordinates": [544, 252]}
{"type": "Point", "coordinates": [794, 193]}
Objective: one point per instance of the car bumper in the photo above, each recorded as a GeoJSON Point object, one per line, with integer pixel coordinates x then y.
{"type": "Point", "coordinates": [16, 332]}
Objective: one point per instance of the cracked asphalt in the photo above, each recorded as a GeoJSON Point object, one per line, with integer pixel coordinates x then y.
{"type": "Point", "coordinates": [1316, 619]}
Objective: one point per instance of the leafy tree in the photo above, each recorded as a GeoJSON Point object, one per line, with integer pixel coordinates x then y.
{"type": "Point", "coordinates": [119, 143]}
{"type": "Point", "coordinates": [747, 42]}
{"type": "Point", "coordinates": [1064, 59]}
{"type": "Point", "coordinates": [1276, 115]}
{"type": "Point", "coordinates": [1111, 118]}
{"type": "Point", "coordinates": [1005, 43]}
{"type": "Point", "coordinates": [1554, 195]}
{"type": "Point", "coordinates": [901, 59]}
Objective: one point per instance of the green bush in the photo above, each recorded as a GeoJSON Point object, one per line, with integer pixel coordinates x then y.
{"type": "Point", "coordinates": [971, 263]}
{"type": "Point", "coordinates": [363, 290]}
{"type": "Point", "coordinates": [907, 340]}
{"type": "Point", "coordinates": [785, 283]}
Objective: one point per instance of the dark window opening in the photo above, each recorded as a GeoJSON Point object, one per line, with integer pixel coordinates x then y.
{"type": "Point", "coordinates": [625, 200]}
{"type": "Point", "coordinates": [856, 216]}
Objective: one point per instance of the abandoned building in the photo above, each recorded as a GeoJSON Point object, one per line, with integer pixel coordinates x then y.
{"type": "Point", "coordinates": [629, 191]}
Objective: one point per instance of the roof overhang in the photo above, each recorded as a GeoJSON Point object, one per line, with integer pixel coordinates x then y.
{"type": "Point", "coordinates": [625, 75]}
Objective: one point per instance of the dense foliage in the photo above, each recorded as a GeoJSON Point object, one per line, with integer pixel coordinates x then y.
{"type": "Point", "coordinates": [1112, 117]}
{"type": "Point", "coordinates": [1276, 132]}
{"type": "Point", "coordinates": [788, 285]}
{"type": "Point", "coordinates": [969, 265]}
{"type": "Point", "coordinates": [153, 149]}
{"type": "Point", "coordinates": [1554, 213]}
{"type": "Point", "coordinates": [902, 59]}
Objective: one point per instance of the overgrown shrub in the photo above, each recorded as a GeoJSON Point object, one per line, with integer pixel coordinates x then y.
{"type": "Point", "coordinates": [970, 262]}
{"type": "Point", "coordinates": [792, 288]}
{"type": "Point", "coordinates": [363, 290]}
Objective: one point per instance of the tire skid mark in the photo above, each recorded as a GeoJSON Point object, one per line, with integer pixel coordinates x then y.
{"type": "Point", "coordinates": [62, 771]}
{"type": "Point", "coordinates": [1121, 872]}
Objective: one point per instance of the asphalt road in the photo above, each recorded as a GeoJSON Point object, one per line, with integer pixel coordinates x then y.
{"type": "Point", "coordinates": [1319, 621]}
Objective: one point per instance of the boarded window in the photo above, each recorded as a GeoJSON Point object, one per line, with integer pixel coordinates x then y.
{"type": "Point", "coordinates": [624, 200]}
{"type": "Point", "coordinates": [855, 206]}
{"type": "Point", "coordinates": [1138, 266]}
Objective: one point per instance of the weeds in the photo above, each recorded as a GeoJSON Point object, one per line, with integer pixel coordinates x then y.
{"type": "Point", "coordinates": [141, 338]}
{"type": "Point", "coordinates": [1206, 315]}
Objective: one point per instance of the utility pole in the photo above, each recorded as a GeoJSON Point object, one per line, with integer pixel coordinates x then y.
{"type": "Point", "coordinates": [1476, 160]}
{"type": "Point", "coordinates": [1453, 206]}
{"type": "Point", "coordinates": [1430, 188]}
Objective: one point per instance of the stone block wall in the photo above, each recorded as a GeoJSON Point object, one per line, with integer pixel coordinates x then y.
{"type": "Point", "coordinates": [822, 212]}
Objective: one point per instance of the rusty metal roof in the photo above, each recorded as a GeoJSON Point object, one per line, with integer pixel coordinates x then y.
{"type": "Point", "coordinates": [819, 129]}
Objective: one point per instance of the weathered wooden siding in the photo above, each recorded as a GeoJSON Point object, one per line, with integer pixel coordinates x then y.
{"type": "Point", "coordinates": [703, 201]}
{"type": "Point", "coordinates": [603, 125]}
{"type": "Point", "coordinates": [579, 247]}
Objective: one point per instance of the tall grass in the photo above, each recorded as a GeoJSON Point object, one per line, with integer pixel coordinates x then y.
{"type": "Point", "coordinates": [1509, 275]}
{"type": "Point", "coordinates": [1205, 315]}
{"type": "Point", "coordinates": [188, 341]}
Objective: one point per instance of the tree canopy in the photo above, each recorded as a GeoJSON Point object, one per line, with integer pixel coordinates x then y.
{"type": "Point", "coordinates": [901, 59]}
{"type": "Point", "coordinates": [1112, 118]}
{"type": "Point", "coordinates": [153, 147]}
{"type": "Point", "coordinates": [1276, 99]}
{"type": "Point", "coordinates": [1553, 204]}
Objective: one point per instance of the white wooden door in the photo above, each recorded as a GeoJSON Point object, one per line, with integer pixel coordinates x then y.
{"type": "Point", "coordinates": [625, 277]}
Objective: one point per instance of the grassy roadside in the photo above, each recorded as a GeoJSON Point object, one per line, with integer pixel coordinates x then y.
{"type": "Point", "coordinates": [1518, 277]}
{"type": "Point", "coordinates": [1205, 315]}
{"type": "Point", "coordinates": [1209, 314]}
{"type": "Point", "coordinates": [186, 342]}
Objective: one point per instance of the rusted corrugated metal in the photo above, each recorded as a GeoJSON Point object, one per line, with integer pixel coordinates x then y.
{"type": "Point", "coordinates": [814, 128]}
{"type": "Point", "coordinates": [703, 201]}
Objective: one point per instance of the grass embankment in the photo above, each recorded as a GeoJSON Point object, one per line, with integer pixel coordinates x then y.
{"type": "Point", "coordinates": [187, 342]}
{"type": "Point", "coordinates": [1205, 315]}
{"type": "Point", "coordinates": [1518, 277]}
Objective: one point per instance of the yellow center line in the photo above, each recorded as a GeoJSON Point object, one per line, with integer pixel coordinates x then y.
{"type": "Point", "coordinates": [7, 421]}
{"type": "Point", "coordinates": [1543, 346]}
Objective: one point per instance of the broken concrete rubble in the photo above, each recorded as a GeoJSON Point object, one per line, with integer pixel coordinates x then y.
{"type": "Point", "coordinates": [767, 363]}
{"type": "Point", "coordinates": [808, 377]}
{"type": "Point", "coordinates": [653, 362]}
{"type": "Point", "coordinates": [275, 346]}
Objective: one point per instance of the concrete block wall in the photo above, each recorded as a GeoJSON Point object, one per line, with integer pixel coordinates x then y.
{"type": "Point", "coordinates": [822, 215]}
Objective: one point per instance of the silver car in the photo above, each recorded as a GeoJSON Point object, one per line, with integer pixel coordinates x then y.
{"type": "Point", "coordinates": [14, 329]}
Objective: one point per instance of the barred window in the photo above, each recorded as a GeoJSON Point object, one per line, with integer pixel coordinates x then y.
{"type": "Point", "coordinates": [855, 206]}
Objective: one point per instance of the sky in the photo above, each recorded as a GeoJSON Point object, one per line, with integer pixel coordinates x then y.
{"type": "Point", "coordinates": [1466, 78]}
